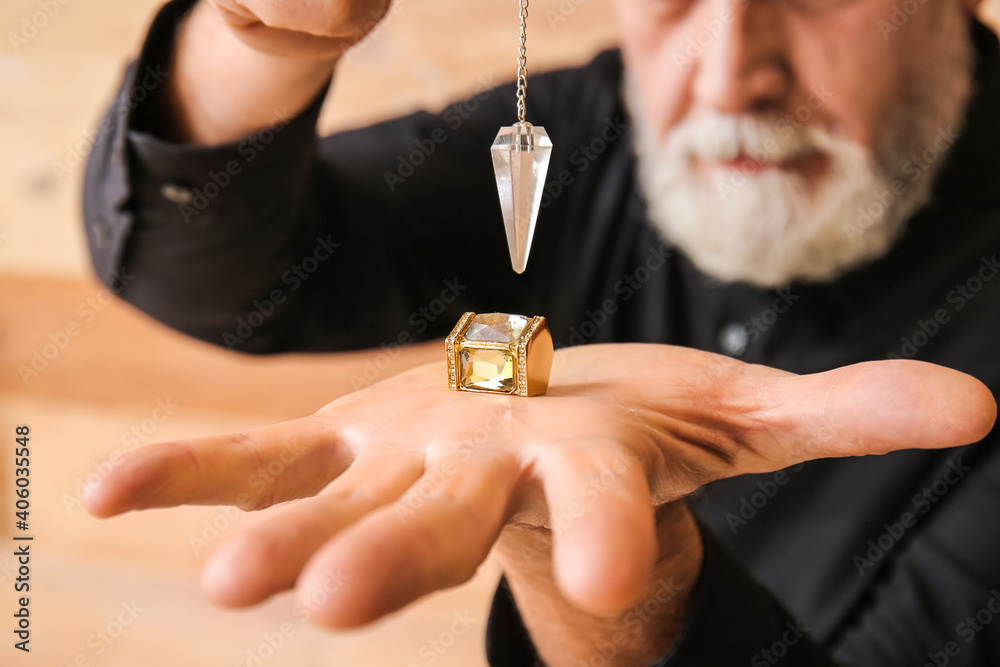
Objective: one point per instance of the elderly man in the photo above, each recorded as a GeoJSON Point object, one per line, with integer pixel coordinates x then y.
{"type": "Point", "coordinates": [745, 203]}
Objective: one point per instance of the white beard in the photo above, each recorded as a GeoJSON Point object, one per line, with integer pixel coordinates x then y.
{"type": "Point", "coordinates": [774, 226]}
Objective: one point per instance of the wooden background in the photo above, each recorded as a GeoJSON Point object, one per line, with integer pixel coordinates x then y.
{"type": "Point", "coordinates": [104, 386]}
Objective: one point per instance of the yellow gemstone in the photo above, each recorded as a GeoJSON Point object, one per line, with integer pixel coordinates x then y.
{"type": "Point", "coordinates": [487, 369]}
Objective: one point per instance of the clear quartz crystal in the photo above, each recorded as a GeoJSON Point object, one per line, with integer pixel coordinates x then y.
{"type": "Point", "coordinates": [521, 155]}
{"type": "Point", "coordinates": [496, 327]}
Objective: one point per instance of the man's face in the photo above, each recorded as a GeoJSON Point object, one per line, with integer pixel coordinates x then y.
{"type": "Point", "coordinates": [817, 104]}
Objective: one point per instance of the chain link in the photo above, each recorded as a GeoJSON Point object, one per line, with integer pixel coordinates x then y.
{"type": "Point", "coordinates": [522, 62]}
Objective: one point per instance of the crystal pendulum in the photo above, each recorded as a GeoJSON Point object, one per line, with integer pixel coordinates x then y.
{"type": "Point", "coordinates": [520, 159]}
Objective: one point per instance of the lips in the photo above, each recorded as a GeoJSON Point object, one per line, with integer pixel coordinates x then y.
{"type": "Point", "coordinates": [746, 163]}
{"type": "Point", "coordinates": [805, 162]}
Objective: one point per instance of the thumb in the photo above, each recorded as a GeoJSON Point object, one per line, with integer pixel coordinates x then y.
{"type": "Point", "coordinates": [873, 408]}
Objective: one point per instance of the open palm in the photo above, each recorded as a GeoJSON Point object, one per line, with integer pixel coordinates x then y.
{"type": "Point", "coordinates": [405, 485]}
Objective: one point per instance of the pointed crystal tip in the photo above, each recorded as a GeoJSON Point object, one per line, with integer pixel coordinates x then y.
{"type": "Point", "coordinates": [521, 155]}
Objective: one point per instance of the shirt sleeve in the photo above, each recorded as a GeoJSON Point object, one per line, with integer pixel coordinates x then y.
{"type": "Point", "coordinates": [937, 599]}
{"type": "Point", "coordinates": [200, 237]}
{"type": "Point", "coordinates": [935, 602]}
{"type": "Point", "coordinates": [284, 241]}
{"type": "Point", "coordinates": [732, 620]}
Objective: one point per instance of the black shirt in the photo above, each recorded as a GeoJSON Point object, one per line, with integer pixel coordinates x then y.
{"type": "Point", "coordinates": [385, 235]}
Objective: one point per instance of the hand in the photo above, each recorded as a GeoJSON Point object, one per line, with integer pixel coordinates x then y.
{"type": "Point", "coordinates": [322, 30]}
{"type": "Point", "coordinates": [407, 485]}
{"type": "Point", "coordinates": [242, 65]}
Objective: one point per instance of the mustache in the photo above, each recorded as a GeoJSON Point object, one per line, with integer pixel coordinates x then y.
{"type": "Point", "coordinates": [718, 136]}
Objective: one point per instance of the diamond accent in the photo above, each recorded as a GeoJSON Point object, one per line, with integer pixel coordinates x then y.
{"type": "Point", "coordinates": [521, 155]}
{"type": "Point", "coordinates": [522, 356]}
{"type": "Point", "coordinates": [449, 346]}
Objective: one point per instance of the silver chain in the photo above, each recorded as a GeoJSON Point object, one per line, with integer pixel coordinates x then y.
{"type": "Point", "coordinates": [522, 63]}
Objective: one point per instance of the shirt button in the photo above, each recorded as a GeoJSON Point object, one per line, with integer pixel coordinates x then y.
{"type": "Point", "coordinates": [176, 193]}
{"type": "Point", "coordinates": [118, 147]}
{"type": "Point", "coordinates": [733, 339]}
{"type": "Point", "coordinates": [100, 232]}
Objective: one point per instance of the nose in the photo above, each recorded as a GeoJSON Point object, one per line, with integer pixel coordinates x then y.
{"type": "Point", "coordinates": [745, 68]}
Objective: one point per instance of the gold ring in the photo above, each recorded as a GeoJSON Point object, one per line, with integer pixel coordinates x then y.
{"type": "Point", "coordinates": [500, 354]}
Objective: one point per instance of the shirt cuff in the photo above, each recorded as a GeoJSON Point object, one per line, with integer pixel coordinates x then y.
{"type": "Point", "coordinates": [134, 176]}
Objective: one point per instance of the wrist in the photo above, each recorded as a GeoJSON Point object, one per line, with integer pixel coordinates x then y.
{"type": "Point", "coordinates": [641, 634]}
{"type": "Point", "coordinates": [224, 86]}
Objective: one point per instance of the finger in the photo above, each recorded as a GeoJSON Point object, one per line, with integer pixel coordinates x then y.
{"type": "Point", "coordinates": [250, 470]}
{"type": "Point", "coordinates": [433, 538]}
{"type": "Point", "coordinates": [603, 527]}
{"type": "Point", "coordinates": [872, 408]}
{"type": "Point", "coordinates": [343, 19]}
{"type": "Point", "coordinates": [268, 557]}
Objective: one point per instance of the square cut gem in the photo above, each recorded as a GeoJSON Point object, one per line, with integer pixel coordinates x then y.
{"type": "Point", "coordinates": [492, 370]}
{"type": "Point", "coordinates": [496, 328]}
